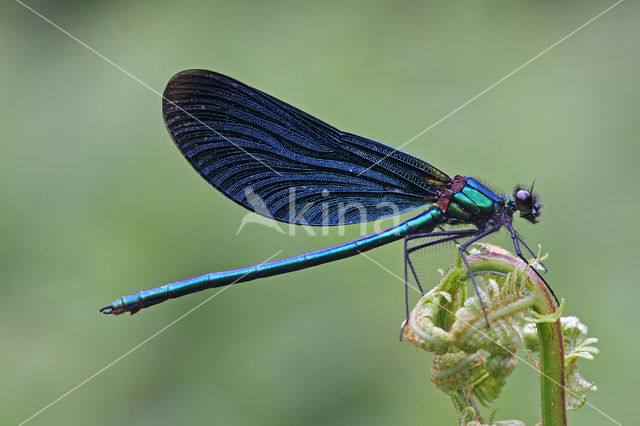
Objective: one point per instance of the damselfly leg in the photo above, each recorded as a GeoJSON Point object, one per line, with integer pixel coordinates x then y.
{"type": "Point", "coordinates": [444, 236]}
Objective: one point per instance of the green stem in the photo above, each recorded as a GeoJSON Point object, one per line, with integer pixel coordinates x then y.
{"type": "Point", "coordinates": [549, 334]}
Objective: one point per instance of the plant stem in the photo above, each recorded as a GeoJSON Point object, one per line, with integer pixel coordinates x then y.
{"type": "Point", "coordinates": [549, 334]}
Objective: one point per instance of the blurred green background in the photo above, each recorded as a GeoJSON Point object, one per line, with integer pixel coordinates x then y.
{"type": "Point", "coordinates": [98, 203]}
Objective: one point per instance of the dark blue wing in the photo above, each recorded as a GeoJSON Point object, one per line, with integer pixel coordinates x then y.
{"type": "Point", "coordinates": [279, 161]}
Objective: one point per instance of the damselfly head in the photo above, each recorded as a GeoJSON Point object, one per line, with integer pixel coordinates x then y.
{"type": "Point", "coordinates": [527, 204]}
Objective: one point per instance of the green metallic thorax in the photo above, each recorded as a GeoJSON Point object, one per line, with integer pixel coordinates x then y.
{"type": "Point", "coordinates": [468, 201]}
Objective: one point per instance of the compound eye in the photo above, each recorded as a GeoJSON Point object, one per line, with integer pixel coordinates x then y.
{"type": "Point", "coordinates": [524, 201]}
